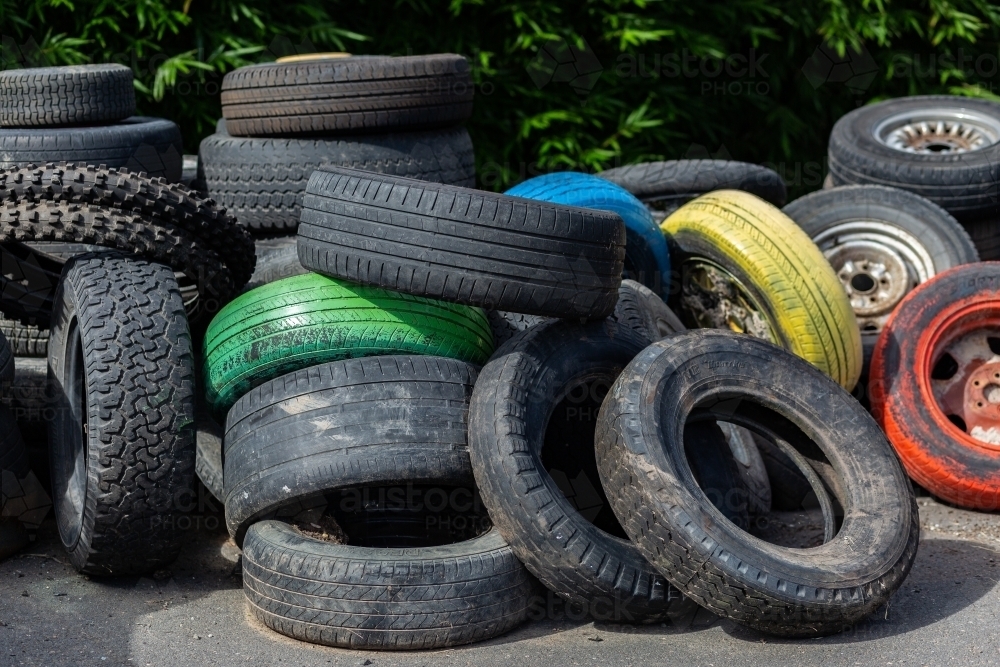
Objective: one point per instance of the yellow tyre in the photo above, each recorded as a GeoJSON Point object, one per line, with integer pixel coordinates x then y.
{"type": "Point", "coordinates": [746, 266]}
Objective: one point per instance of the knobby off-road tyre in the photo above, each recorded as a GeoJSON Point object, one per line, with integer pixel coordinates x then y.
{"type": "Point", "coordinates": [122, 440]}
{"type": "Point", "coordinates": [74, 95]}
{"type": "Point", "coordinates": [139, 144]}
{"type": "Point", "coordinates": [310, 319]}
{"type": "Point", "coordinates": [347, 95]}
{"type": "Point", "coordinates": [664, 186]}
{"type": "Point", "coordinates": [748, 267]}
{"type": "Point", "coordinates": [387, 599]}
{"type": "Point", "coordinates": [647, 259]}
{"type": "Point", "coordinates": [933, 374]}
{"type": "Point", "coordinates": [260, 181]}
{"type": "Point", "coordinates": [779, 590]}
{"type": "Point", "coordinates": [462, 245]}
{"type": "Point", "coordinates": [899, 143]}
{"type": "Point", "coordinates": [46, 223]}
{"type": "Point", "coordinates": [881, 242]}
{"type": "Point", "coordinates": [540, 487]}
{"type": "Point", "coordinates": [395, 419]}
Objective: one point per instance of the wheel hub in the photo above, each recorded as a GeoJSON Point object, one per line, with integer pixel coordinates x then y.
{"type": "Point", "coordinates": [718, 300]}
{"type": "Point", "coordinates": [938, 131]}
{"type": "Point", "coordinates": [965, 381]}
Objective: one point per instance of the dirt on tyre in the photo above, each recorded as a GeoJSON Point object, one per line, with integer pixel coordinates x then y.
{"type": "Point", "coordinates": [60, 96]}
{"type": "Point", "coordinates": [713, 375]}
{"type": "Point", "coordinates": [310, 319]}
{"type": "Point", "coordinates": [381, 598]}
{"type": "Point", "coordinates": [462, 245]}
{"type": "Point", "coordinates": [347, 95]}
{"type": "Point", "coordinates": [881, 242]}
{"type": "Point", "coordinates": [122, 441]}
{"type": "Point", "coordinates": [747, 267]}
{"type": "Point", "coordinates": [934, 377]}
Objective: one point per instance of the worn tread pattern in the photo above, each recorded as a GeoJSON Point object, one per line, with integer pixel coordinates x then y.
{"type": "Point", "coordinates": [783, 591]}
{"type": "Point", "coordinates": [310, 319]}
{"type": "Point", "coordinates": [140, 386]}
{"type": "Point", "coordinates": [25, 340]}
{"type": "Point", "coordinates": [140, 144]}
{"type": "Point", "coordinates": [347, 95]}
{"type": "Point", "coordinates": [73, 95]}
{"type": "Point", "coordinates": [261, 180]}
{"type": "Point", "coordinates": [358, 422]}
{"type": "Point", "coordinates": [387, 599]}
{"type": "Point", "coordinates": [802, 294]}
{"type": "Point", "coordinates": [462, 245]}
{"type": "Point", "coordinates": [685, 179]}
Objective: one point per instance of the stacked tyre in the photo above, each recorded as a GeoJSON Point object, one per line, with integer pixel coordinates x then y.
{"type": "Point", "coordinates": [283, 120]}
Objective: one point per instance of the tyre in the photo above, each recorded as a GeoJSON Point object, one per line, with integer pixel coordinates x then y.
{"type": "Point", "coordinates": [347, 95]}
{"type": "Point", "coordinates": [23, 500]}
{"type": "Point", "coordinates": [6, 366]}
{"type": "Point", "coordinates": [664, 186]}
{"type": "Point", "coordinates": [941, 147]}
{"type": "Point", "coordinates": [310, 319]}
{"type": "Point", "coordinates": [359, 422]}
{"type": "Point", "coordinates": [25, 340]}
{"type": "Point", "coordinates": [985, 234]}
{"type": "Point", "coordinates": [277, 258]}
{"type": "Point", "coordinates": [933, 378]}
{"type": "Point", "coordinates": [31, 400]}
{"type": "Point", "coordinates": [389, 599]}
{"type": "Point", "coordinates": [462, 245]}
{"type": "Point", "coordinates": [647, 259]}
{"type": "Point", "coordinates": [59, 231]}
{"type": "Point", "coordinates": [706, 375]}
{"type": "Point", "coordinates": [505, 326]}
{"type": "Point", "coordinates": [531, 424]}
{"type": "Point", "coordinates": [745, 266]}
{"type": "Point", "coordinates": [208, 456]}
{"type": "Point", "coordinates": [139, 144]}
{"type": "Point", "coordinates": [881, 242]}
{"type": "Point", "coordinates": [260, 181]}
{"type": "Point", "coordinates": [122, 440]}
{"type": "Point", "coordinates": [74, 95]}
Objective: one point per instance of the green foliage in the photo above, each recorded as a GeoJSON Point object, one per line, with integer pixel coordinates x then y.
{"type": "Point", "coordinates": [655, 79]}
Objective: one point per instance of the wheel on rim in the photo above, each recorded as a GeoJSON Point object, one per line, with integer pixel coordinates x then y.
{"type": "Point", "coordinates": [935, 384]}
{"type": "Point", "coordinates": [881, 242]}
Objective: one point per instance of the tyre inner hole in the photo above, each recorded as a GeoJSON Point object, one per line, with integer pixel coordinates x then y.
{"type": "Point", "coordinates": [862, 282]}
{"type": "Point", "coordinates": [568, 453]}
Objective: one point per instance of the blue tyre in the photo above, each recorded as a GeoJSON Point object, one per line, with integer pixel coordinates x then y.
{"type": "Point", "coordinates": [647, 259]}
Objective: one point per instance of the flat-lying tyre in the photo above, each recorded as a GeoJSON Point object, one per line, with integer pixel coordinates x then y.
{"type": "Point", "coordinates": [462, 245]}
{"type": "Point", "coordinates": [73, 95]}
{"type": "Point", "coordinates": [747, 267]}
{"type": "Point", "coordinates": [387, 599]}
{"type": "Point", "coordinates": [666, 185]}
{"type": "Point", "coordinates": [347, 95]}
{"type": "Point", "coordinates": [647, 259]}
{"type": "Point", "coordinates": [307, 320]}
{"type": "Point", "coordinates": [531, 425]}
{"type": "Point", "coordinates": [139, 144]}
{"type": "Point", "coordinates": [260, 181]}
{"type": "Point", "coordinates": [712, 375]}
{"type": "Point", "coordinates": [377, 421]}
{"type": "Point", "coordinates": [933, 376]}
{"type": "Point", "coordinates": [945, 148]}
{"type": "Point", "coordinates": [881, 242]}
{"type": "Point", "coordinates": [122, 440]}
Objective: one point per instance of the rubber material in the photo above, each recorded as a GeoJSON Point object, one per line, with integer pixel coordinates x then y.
{"type": "Point", "coordinates": [73, 95]}
{"type": "Point", "coordinates": [677, 181]}
{"type": "Point", "coordinates": [534, 477]}
{"type": "Point", "coordinates": [358, 422]}
{"type": "Point", "coordinates": [25, 340]}
{"type": "Point", "coordinates": [347, 95]}
{"type": "Point", "coordinates": [387, 599]}
{"type": "Point", "coordinates": [139, 144]}
{"type": "Point", "coordinates": [964, 184]}
{"type": "Point", "coordinates": [937, 454]}
{"type": "Point", "coordinates": [208, 456]}
{"type": "Point", "coordinates": [310, 319]}
{"type": "Point", "coordinates": [784, 591]}
{"type": "Point", "coordinates": [6, 366]}
{"type": "Point", "coordinates": [22, 496]}
{"type": "Point", "coordinates": [121, 360]}
{"type": "Point", "coordinates": [462, 245]}
{"type": "Point", "coordinates": [985, 234]}
{"type": "Point", "coordinates": [647, 259]}
{"type": "Point", "coordinates": [277, 258]}
{"type": "Point", "coordinates": [260, 181]}
{"type": "Point", "coordinates": [784, 271]}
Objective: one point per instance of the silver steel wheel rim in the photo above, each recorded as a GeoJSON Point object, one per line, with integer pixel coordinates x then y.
{"type": "Point", "coordinates": [893, 259]}
{"type": "Point", "coordinates": [938, 131]}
